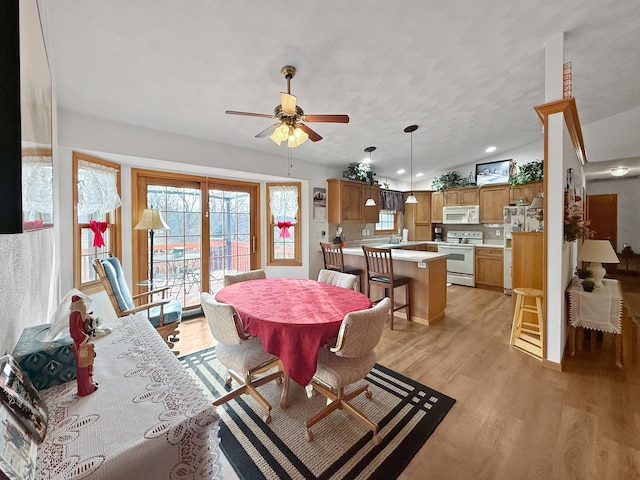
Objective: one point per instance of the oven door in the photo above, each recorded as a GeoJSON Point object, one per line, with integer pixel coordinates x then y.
{"type": "Point", "coordinates": [460, 259]}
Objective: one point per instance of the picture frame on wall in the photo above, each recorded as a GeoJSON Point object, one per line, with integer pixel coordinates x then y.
{"type": "Point", "coordinates": [493, 172]}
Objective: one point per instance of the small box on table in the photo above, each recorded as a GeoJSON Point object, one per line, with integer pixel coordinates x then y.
{"type": "Point", "coordinates": [46, 362]}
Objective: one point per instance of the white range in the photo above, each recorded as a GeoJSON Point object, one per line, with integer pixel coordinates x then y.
{"type": "Point", "coordinates": [461, 263]}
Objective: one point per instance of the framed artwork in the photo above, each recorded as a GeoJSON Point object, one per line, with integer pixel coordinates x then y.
{"type": "Point", "coordinates": [319, 204]}
{"type": "Point", "coordinates": [493, 172]}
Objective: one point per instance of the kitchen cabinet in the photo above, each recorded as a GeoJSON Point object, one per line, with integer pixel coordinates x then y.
{"type": "Point", "coordinates": [489, 267]}
{"type": "Point", "coordinates": [437, 202]}
{"type": "Point", "coordinates": [493, 198]}
{"type": "Point", "coordinates": [462, 196]}
{"type": "Point", "coordinates": [527, 260]}
{"type": "Point", "coordinates": [346, 199]}
{"type": "Point", "coordinates": [417, 217]}
{"type": "Point", "coordinates": [529, 191]}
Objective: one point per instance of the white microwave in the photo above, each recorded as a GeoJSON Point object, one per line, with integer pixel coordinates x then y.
{"type": "Point", "coordinates": [461, 214]}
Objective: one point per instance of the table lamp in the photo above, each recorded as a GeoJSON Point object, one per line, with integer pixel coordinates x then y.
{"type": "Point", "coordinates": [151, 220]}
{"type": "Point", "coordinates": [597, 252]}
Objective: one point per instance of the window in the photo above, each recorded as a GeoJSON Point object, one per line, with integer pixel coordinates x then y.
{"type": "Point", "coordinates": [387, 222]}
{"type": "Point", "coordinates": [283, 223]}
{"type": "Point", "coordinates": [96, 217]}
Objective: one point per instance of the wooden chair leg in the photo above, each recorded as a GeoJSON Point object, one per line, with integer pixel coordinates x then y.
{"type": "Point", "coordinates": [393, 306]}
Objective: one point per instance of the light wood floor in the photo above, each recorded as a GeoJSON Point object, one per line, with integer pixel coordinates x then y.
{"type": "Point", "coordinates": [513, 419]}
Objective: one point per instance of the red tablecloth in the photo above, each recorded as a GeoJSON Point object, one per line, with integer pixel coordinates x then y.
{"type": "Point", "coordinates": [293, 317]}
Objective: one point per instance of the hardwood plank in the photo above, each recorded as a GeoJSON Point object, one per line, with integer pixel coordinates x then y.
{"type": "Point", "coordinates": [514, 418]}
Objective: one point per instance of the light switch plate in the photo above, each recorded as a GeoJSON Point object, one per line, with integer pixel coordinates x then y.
{"type": "Point", "coordinates": [422, 265]}
{"type": "Point", "coordinates": [498, 232]}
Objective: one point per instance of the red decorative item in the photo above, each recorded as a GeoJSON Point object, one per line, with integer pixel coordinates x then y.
{"type": "Point", "coordinates": [83, 350]}
{"type": "Point", "coordinates": [98, 229]}
{"type": "Point", "coordinates": [284, 229]}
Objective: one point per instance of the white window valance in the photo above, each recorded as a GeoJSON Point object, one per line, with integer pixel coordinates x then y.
{"type": "Point", "coordinates": [37, 184]}
{"type": "Point", "coordinates": [97, 188]}
{"type": "Point", "coordinates": [283, 202]}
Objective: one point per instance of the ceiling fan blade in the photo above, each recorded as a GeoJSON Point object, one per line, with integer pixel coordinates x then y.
{"type": "Point", "coordinates": [248, 114]}
{"type": "Point", "coordinates": [268, 131]}
{"type": "Point", "coordinates": [327, 118]}
{"type": "Point", "coordinates": [313, 136]}
{"type": "Point", "coordinates": [288, 103]}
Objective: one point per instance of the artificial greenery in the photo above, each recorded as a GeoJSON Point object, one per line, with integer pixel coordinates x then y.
{"type": "Point", "coordinates": [588, 285]}
{"type": "Point", "coordinates": [583, 273]}
{"type": "Point", "coordinates": [450, 180]}
{"type": "Point", "coordinates": [527, 173]}
{"type": "Point", "coordinates": [359, 171]}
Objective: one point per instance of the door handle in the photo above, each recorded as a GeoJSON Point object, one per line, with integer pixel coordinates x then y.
{"type": "Point", "coordinates": [253, 244]}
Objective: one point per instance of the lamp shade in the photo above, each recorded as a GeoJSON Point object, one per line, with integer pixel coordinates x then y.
{"type": "Point", "coordinates": [537, 203]}
{"type": "Point", "coordinates": [151, 220]}
{"type": "Point", "coordinates": [599, 251]}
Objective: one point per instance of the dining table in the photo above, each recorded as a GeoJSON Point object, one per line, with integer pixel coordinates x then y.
{"type": "Point", "coordinates": [293, 317]}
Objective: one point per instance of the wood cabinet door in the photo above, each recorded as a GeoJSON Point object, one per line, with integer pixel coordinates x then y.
{"type": "Point", "coordinates": [527, 266]}
{"type": "Point", "coordinates": [451, 197]}
{"type": "Point", "coordinates": [352, 202]}
{"type": "Point", "coordinates": [528, 191]}
{"type": "Point", "coordinates": [492, 200]}
{"type": "Point", "coordinates": [469, 196]}
{"type": "Point", "coordinates": [423, 208]}
{"type": "Point", "coordinates": [490, 266]}
{"type": "Point", "coordinates": [370, 214]}
{"type": "Point", "coordinates": [437, 202]}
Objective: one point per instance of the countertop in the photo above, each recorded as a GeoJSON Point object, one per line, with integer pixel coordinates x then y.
{"type": "Point", "coordinates": [403, 255]}
{"type": "Point", "coordinates": [379, 244]}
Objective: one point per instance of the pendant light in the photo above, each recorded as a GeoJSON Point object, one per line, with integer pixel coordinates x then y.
{"type": "Point", "coordinates": [411, 198]}
{"type": "Point", "coordinates": [370, 201]}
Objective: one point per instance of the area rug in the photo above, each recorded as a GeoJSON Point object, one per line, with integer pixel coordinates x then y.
{"type": "Point", "coordinates": [406, 411]}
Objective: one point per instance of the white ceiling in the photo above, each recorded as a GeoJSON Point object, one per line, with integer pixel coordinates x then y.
{"type": "Point", "coordinates": [467, 73]}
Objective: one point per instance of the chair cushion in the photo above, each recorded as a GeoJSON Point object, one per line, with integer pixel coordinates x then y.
{"type": "Point", "coordinates": [243, 357]}
{"type": "Point", "coordinates": [115, 275]}
{"type": "Point", "coordinates": [172, 313]}
{"type": "Point", "coordinates": [339, 372]}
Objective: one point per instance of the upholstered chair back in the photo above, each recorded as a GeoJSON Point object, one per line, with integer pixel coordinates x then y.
{"type": "Point", "coordinates": [361, 330]}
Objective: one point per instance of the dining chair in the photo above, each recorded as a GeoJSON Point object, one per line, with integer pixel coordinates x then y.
{"type": "Point", "coordinates": [348, 362]}
{"type": "Point", "coordinates": [164, 314]}
{"type": "Point", "coordinates": [334, 260]}
{"type": "Point", "coordinates": [244, 356]}
{"type": "Point", "coordinates": [231, 278]}
{"type": "Point", "coordinates": [380, 273]}
{"type": "Point", "coordinates": [339, 279]}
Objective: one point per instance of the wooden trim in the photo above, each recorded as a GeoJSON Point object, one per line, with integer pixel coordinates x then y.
{"type": "Point", "coordinates": [567, 106]}
{"type": "Point", "coordinates": [140, 178]}
{"type": "Point", "coordinates": [297, 260]}
{"type": "Point", "coordinates": [115, 234]}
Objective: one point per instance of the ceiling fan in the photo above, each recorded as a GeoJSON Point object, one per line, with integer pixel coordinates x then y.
{"type": "Point", "coordinates": [290, 126]}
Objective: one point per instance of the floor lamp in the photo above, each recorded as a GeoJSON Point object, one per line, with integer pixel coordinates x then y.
{"type": "Point", "coordinates": [151, 220]}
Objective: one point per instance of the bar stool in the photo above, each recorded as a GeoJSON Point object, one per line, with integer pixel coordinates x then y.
{"type": "Point", "coordinates": [334, 260]}
{"type": "Point", "coordinates": [528, 336]}
{"type": "Point", "coordinates": [380, 273]}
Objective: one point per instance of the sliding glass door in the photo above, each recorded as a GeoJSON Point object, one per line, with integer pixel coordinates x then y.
{"type": "Point", "coordinates": [212, 231]}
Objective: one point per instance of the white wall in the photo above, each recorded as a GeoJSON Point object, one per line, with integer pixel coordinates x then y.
{"type": "Point", "coordinates": [139, 147]}
{"type": "Point", "coordinates": [628, 191]}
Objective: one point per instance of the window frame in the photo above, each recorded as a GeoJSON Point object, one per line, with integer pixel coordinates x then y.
{"type": "Point", "coordinates": [271, 224]}
{"type": "Point", "coordinates": [395, 222]}
{"type": "Point", "coordinates": [114, 219]}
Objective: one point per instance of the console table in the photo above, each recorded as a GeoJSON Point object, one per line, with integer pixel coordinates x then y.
{"type": "Point", "coordinates": [600, 310]}
{"type": "Point", "coordinates": [148, 418]}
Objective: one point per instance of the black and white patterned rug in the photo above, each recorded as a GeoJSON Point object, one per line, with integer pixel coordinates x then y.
{"type": "Point", "coordinates": [406, 411]}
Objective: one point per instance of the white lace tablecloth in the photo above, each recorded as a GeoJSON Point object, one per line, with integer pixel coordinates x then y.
{"type": "Point", "coordinates": [597, 310]}
{"type": "Point", "coordinates": [147, 420]}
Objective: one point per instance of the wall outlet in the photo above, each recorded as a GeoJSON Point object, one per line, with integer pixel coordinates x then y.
{"type": "Point", "coordinates": [364, 232]}
{"type": "Point", "coordinates": [498, 232]}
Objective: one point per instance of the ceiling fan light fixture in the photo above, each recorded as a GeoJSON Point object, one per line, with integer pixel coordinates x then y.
{"type": "Point", "coordinates": [411, 198]}
{"type": "Point", "coordinates": [296, 137]}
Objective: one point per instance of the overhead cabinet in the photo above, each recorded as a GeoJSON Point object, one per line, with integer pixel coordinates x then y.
{"type": "Point", "coordinates": [528, 191]}
{"type": "Point", "coordinates": [417, 216]}
{"type": "Point", "coordinates": [493, 199]}
{"type": "Point", "coordinates": [437, 202]}
{"type": "Point", "coordinates": [346, 199]}
{"type": "Point", "coordinates": [462, 196]}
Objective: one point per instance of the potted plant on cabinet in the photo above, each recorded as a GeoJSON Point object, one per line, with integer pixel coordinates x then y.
{"type": "Point", "coordinates": [588, 285]}
{"type": "Point", "coordinates": [527, 173]}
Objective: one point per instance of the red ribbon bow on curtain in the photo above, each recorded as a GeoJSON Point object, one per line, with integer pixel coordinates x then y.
{"type": "Point", "coordinates": [98, 228]}
{"type": "Point", "coordinates": [284, 229]}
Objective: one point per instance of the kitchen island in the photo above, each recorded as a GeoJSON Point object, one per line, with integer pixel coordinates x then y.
{"type": "Point", "coordinates": [428, 273]}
